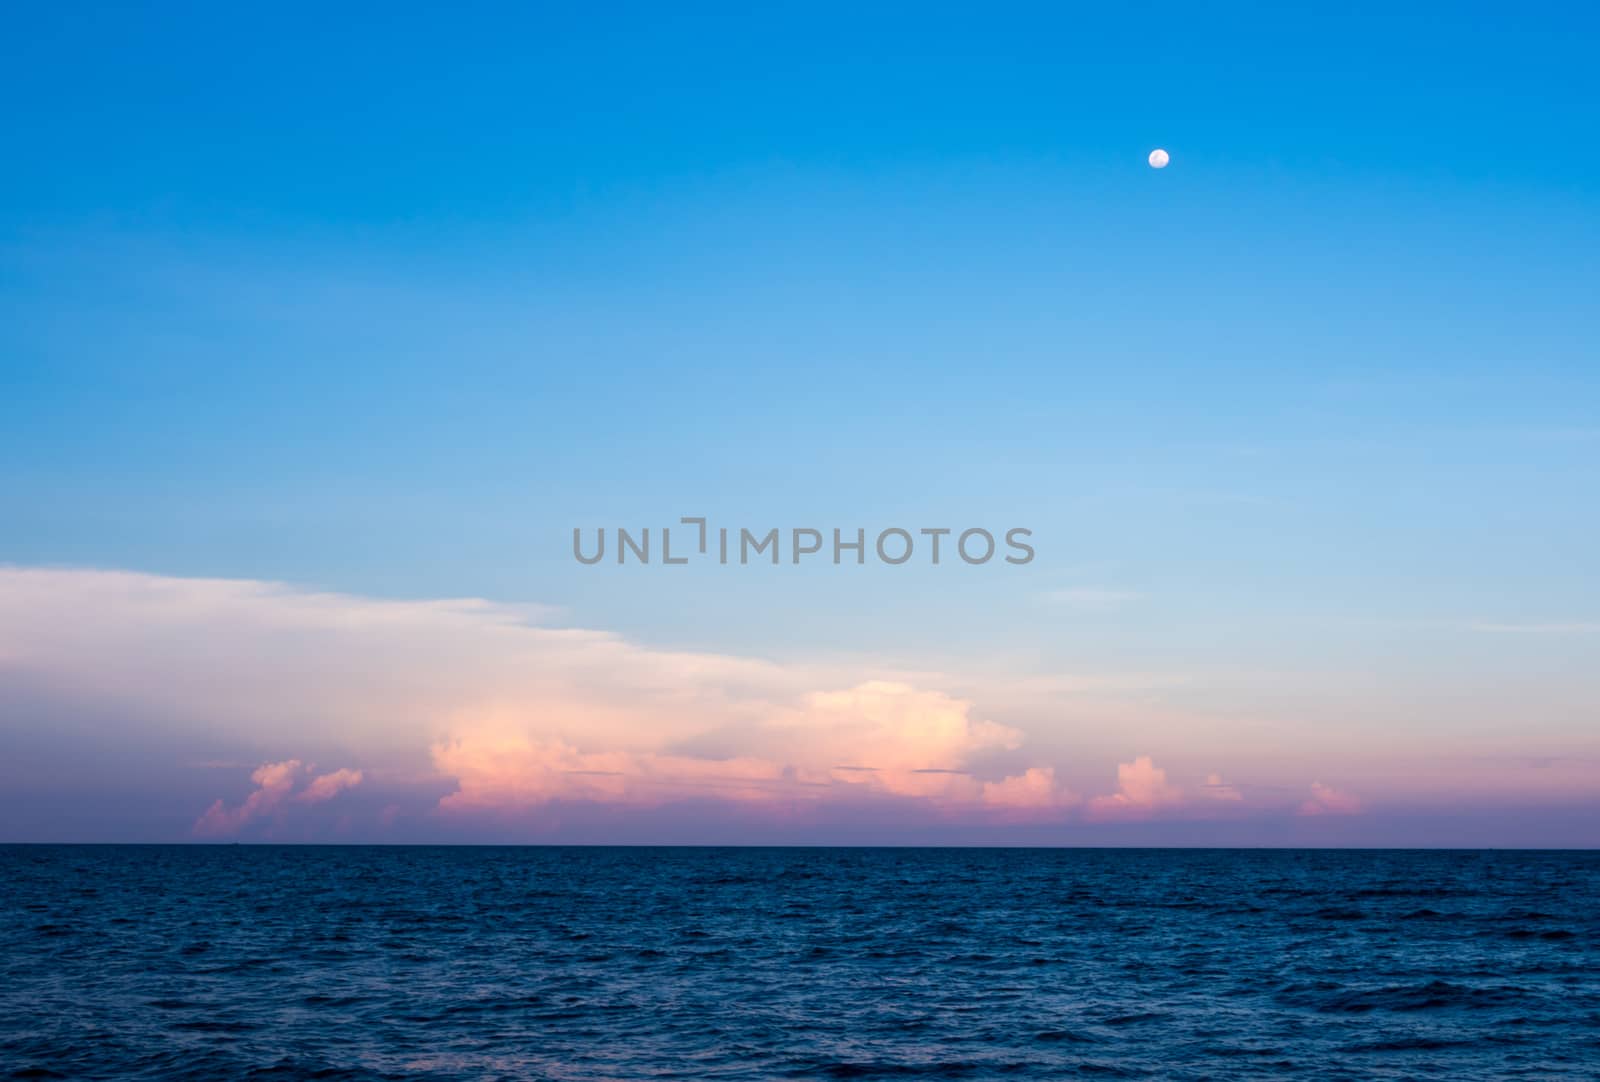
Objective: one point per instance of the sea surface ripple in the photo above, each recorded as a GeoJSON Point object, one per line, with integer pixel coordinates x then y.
{"type": "Point", "coordinates": [190, 962]}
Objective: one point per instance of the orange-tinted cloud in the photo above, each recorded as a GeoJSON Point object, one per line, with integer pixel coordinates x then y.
{"type": "Point", "coordinates": [879, 738]}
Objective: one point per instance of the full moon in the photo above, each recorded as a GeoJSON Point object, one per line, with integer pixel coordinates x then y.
{"type": "Point", "coordinates": [1158, 159]}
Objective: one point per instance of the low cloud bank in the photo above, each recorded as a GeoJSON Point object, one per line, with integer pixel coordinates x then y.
{"type": "Point", "coordinates": [508, 717]}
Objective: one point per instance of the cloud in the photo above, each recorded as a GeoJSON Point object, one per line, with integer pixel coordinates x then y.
{"type": "Point", "coordinates": [1033, 792]}
{"type": "Point", "coordinates": [327, 786]}
{"type": "Point", "coordinates": [274, 785]}
{"type": "Point", "coordinates": [1217, 789]}
{"type": "Point", "coordinates": [504, 714]}
{"type": "Point", "coordinates": [1326, 800]}
{"type": "Point", "coordinates": [1142, 788]}
{"type": "Point", "coordinates": [452, 713]}
{"type": "Point", "coordinates": [508, 766]}
{"type": "Point", "coordinates": [878, 739]}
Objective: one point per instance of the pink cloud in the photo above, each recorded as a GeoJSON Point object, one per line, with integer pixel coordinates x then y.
{"type": "Point", "coordinates": [1142, 788]}
{"type": "Point", "coordinates": [327, 786]}
{"type": "Point", "coordinates": [1035, 791]}
{"type": "Point", "coordinates": [275, 784]}
{"type": "Point", "coordinates": [877, 739]}
{"type": "Point", "coordinates": [507, 713]}
{"type": "Point", "coordinates": [502, 770]}
{"type": "Point", "coordinates": [1326, 800]}
{"type": "Point", "coordinates": [1217, 789]}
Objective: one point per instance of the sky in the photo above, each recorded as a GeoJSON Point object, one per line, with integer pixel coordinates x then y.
{"type": "Point", "coordinates": [321, 333]}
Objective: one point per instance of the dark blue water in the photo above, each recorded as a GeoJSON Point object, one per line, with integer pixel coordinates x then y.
{"type": "Point", "coordinates": [423, 963]}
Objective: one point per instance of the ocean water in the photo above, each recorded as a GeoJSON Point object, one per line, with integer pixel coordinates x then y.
{"type": "Point", "coordinates": [552, 963]}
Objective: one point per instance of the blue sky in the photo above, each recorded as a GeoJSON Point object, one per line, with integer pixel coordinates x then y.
{"type": "Point", "coordinates": [384, 303]}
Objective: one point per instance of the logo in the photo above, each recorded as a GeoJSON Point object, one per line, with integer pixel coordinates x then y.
{"type": "Point", "coordinates": [698, 541]}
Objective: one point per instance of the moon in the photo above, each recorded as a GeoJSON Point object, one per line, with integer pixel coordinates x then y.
{"type": "Point", "coordinates": [1159, 158]}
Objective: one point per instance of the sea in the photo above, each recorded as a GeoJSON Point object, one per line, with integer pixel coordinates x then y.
{"type": "Point", "coordinates": [358, 963]}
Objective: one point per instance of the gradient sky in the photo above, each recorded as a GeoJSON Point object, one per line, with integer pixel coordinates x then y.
{"type": "Point", "coordinates": [315, 324]}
